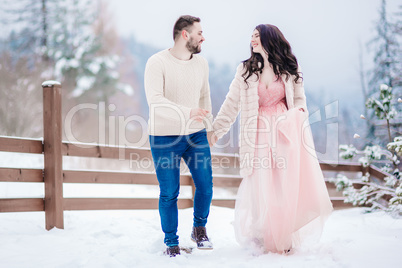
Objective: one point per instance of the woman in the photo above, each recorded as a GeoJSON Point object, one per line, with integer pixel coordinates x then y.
{"type": "Point", "coordinates": [283, 194]}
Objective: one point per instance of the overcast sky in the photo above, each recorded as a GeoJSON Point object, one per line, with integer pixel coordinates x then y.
{"type": "Point", "coordinates": [324, 34]}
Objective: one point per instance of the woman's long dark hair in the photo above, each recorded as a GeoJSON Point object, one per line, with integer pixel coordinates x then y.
{"type": "Point", "coordinates": [279, 54]}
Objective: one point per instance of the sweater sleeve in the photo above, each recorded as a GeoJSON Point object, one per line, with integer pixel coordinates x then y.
{"type": "Point", "coordinates": [162, 108]}
{"type": "Point", "coordinates": [230, 108]}
{"type": "Point", "coordinates": [299, 97]}
{"type": "Point", "coordinates": [205, 99]}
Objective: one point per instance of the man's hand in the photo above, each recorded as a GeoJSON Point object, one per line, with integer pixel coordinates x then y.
{"type": "Point", "coordinates": [212, 138]}
{"type": "Point", "coordinates": [198, 114]}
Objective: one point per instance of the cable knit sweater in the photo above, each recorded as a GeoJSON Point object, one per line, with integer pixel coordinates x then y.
{"type": "Point", "coordinates": [245, 99]}
{"type": "Point", "coordinates": [173, 87]}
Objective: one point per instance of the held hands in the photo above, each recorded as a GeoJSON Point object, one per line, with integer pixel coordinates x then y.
{"type": "Point", "coordinates": [212, 138]}
{"type": "Point", "coordinates": [198, 114]}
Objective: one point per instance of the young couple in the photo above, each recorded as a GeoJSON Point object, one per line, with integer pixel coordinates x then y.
{"type": "Point", "coordinates": [276, 204]}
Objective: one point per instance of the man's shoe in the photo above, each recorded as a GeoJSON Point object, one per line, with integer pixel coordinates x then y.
{"type": "Point", "coordinates": [173, 251]}
{"type": "Point", "coordinates": [199, 236]}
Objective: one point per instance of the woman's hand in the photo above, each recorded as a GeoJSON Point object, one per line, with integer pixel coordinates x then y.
{"type": "Point", "coordinates": [212, 138]}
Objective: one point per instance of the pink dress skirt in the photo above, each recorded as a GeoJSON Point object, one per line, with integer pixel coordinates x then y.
{"type": "Point", "coordinates": [285, 199]}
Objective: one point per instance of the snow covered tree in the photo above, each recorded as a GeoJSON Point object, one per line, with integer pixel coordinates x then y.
{"type": "Point", "coordinates": [84, 49]}
{"type": "Point", "coordinates": [29, 21]}
{"type": "Point", "coordinates": [74, 47]}
{"type": "Point", "coordinates": [387, 66]}
{"type": "Point", "coordinates": [22, 62]}
{"type": "Point", "coordinates": [373, 193]}
{"type": "Point", "coordinates": [71, 41]}
{"type": "Point", "coordinates": [387, 58]}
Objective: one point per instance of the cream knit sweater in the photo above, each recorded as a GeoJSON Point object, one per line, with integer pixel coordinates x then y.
{"type": "Point", "coordinates": [173, 87]}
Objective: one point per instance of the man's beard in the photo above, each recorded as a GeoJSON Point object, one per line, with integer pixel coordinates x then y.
{"type": "Point", "coordinates": [193, 46]}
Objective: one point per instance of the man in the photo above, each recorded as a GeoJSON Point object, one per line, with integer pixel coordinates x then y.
{"type": "Point", "coordinates": [178, 95]}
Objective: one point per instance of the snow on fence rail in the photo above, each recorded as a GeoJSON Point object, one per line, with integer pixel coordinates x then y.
{"type": "Point", "coordinates": [53, 176]}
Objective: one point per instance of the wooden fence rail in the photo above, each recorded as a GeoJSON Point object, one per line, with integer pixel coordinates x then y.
{"type": "Point", "coordinates": [53, 176]}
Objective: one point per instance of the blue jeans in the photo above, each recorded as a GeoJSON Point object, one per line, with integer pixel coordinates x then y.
{"type": "Point", "coordinates": [167, 152]}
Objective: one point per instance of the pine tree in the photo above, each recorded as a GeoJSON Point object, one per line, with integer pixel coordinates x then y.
{"type": "Point", "coordinates": [22, 62]}
{"type": "Point", "coordinates": [387, 67]}
{"type": "Point", "coordinates": [29, 21]}
{"type": "Point", "coordinates": [68, 41]}
{"type": "Point", "coordinates": [387, 57]}
{"type": "Point", "coordinates": [372, 192]}
{"type": "Point", "coordinates": [383, 106]}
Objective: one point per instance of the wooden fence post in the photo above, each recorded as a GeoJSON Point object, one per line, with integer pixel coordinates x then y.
{"type": "Point", "coordinates": [53, 173]}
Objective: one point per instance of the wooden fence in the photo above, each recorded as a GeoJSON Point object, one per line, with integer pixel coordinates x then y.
{"type": "Point", "coordinates": [53, 176]}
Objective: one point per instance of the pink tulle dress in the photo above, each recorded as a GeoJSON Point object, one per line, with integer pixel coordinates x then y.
{"type": "Point", "coordinates": [285, 199]}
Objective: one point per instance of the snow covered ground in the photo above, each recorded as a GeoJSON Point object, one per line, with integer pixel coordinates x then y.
{"type": "Point", "coordinates": [134, 239]}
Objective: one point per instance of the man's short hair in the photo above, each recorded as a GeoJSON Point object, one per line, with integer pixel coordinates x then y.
{"type": "Point", "coordinates": [183, 23]}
